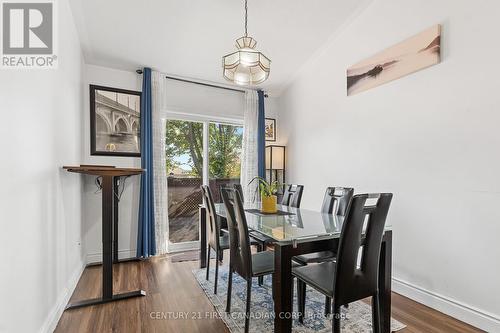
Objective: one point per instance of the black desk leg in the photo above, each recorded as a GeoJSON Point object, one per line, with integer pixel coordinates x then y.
{"type": "Point", "coordinates": [385, 278]}
{"type": "Point", "coordinates": [115, 218]}
{"type": "Point", "coordinates": [107, 251]}
{"type": "Point", "coordinates": [283, 288]}
{"type": "Point", "coordinates": [116, 199]}
{"type": "Point", "coordinates": [107, 237]}
{"type": "Point", "coordinates": [202, 213]}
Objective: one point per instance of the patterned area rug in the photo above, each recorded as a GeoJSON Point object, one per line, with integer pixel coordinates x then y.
{"type": "Point", "coordinates": [357, 318]}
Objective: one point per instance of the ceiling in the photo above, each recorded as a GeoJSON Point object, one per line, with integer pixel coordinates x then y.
{"type": "Point", "coordinates": [188, 38]}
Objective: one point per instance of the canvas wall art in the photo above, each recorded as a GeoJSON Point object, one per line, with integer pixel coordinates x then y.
{"type": "Point", "coordinates": [418, 52]}
{"type": "Point", "coordinates": [270, 129]}
{"type": "Point", "coordinates": [115, 121]}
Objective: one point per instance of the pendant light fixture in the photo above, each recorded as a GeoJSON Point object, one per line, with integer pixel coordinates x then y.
{"type": "Point", "coordinates": [246, 66]}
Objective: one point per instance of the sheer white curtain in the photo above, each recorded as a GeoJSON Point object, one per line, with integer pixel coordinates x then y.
{"type": "Point", "coordinates": [249, 158]}
{"type": "Point", "coordinates": [159, 89]}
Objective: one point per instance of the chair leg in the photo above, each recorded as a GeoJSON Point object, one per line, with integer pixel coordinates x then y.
{"type": "Point", "coordinates": [301, 299]}
{"type": "Point", "coordinates": [272, 287]}
{"type": "Point", "coordinates": [229, 289]}
{"type": "Point", "coordinates": [247, 314]}
{"type": "Point", "coordinates": [298, 297]}
{"type": "Point", "coordinates": [336, 318]}
{"type": "Point", "coordinates": [260, 279]}
{"type": "Point", "coordinates": [328, 305]}
{"type": "Point", "coordinates": [376, 313]}
{"type": "Point", "coordinates": [216, 270]}
{"type": "Point", "coordinates": [208, 261]}
{"type": "Point", "coordinates": [221, 256]}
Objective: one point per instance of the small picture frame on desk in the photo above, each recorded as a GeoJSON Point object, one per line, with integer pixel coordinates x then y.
{"type": "Point", "coordinates": [115, 121]}
{"type": "Point", "coordinates": [270, 129]}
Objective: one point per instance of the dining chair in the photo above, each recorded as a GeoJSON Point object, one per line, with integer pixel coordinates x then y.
{"type": "Point", "coordinates": [293, 195]}
{"type": "Point", "coordinates": [220, 243]}
{"type": "Point", "coordinates": [241, 260]}
{"type": "Point", "coordinates": [349, 279]}
{"type": "Point", "coordinates": [228, 186]}
{"type": "Point", "coordinates": [239, 188]}
{"type": "Point", "coordinates": [217, 240]}
{"type": "Point", "coordinates": [262, 240]}
{"type": "Point", "coordinates": [337, 198]}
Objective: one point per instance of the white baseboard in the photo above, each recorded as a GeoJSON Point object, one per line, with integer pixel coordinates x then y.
{"type": "Point", "coordinates": [122, 254]}
{"type": "Point", "coordinates": [57, 310]}
{"type": "Point", "coordinates": [469, 314]}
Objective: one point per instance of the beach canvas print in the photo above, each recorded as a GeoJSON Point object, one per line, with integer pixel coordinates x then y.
{"type": "Point", "coordinates": [418, 52]}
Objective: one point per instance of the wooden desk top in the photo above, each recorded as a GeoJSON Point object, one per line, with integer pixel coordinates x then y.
{"type": "Point", "coordinates": [104, 170]}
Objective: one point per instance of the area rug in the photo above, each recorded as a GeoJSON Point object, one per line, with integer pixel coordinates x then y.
{"type": "Point", "coordinates": [356, 319]}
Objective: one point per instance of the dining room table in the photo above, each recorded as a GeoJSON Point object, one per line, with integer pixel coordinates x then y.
{"type": "Point", "coordinates": [296, 231]}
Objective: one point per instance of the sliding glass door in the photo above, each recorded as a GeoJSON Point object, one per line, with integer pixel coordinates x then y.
{"type": "Point", "coordinates": [224, 164]}
{"type": "Point", "coordinates": [184, 152]}
{"type": "Point", "coordinates": [188, 143]}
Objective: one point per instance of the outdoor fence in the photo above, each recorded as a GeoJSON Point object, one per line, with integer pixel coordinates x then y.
{"type": "Point", "coordinates": [184, 197]}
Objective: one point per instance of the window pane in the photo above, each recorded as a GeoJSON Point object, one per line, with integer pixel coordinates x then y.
{"type": "Point", "coordinates": [184, 157]}
{"type": "Point", "coordinates": [224, 150]}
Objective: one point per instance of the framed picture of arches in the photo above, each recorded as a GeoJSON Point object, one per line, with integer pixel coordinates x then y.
{"type": "Point", "coordinates": [115, 121]}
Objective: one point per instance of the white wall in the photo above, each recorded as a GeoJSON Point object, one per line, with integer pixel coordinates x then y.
{"type": "Point", "coordinates": [129, 203]}
{"type": "Point", "coordinates": [40, 204]}
{"type": "Point", "coordinates": [182, 98]}
{"type": "Point", "coordinates": [272, 108]}
{"type": "Point", "coordinates": [431, 138]}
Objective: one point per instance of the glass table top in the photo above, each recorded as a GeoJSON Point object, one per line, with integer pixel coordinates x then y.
{"type": "Point", "coordinates": [301, 224]}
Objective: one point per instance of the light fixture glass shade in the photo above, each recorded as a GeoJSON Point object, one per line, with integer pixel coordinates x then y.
{"type": "Point", "coordinates": [246, 66]}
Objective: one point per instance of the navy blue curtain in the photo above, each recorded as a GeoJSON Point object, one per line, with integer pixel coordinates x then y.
{"type": "Point", "coordinates": [261, 136]}
{"type": "Point", "coordinates": [146, 232]}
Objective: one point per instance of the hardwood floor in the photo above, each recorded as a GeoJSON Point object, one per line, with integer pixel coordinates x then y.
{"type": "Point", "coordinates": [172, 288]}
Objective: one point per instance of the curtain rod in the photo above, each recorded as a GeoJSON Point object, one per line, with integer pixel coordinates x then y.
{"type": "Point", "coordinates": [139, 71]}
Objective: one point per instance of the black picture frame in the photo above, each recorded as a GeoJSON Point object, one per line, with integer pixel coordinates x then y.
{"type": "Point", "coordinates": [131, 125]}
{"type": "Point", "coordinates": [273, 137]}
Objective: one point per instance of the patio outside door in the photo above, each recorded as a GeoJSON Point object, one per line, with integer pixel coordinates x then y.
{"type": "Point", "coordinates": [188, 142]}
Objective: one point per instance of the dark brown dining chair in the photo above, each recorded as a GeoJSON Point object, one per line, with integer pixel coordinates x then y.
{"type": "Point", "coordinates": [336, 201]}
{"type": "Point", "coordinates": [241, 259]}
{"type": "Point", "coordinates": [293, 195]}
{"type": "Point", "coordinates": [239, 189]}
{"type": "Point", "coordinates": [341, 196]}
{"type": "Point", "coordinates": [344, 280]}
{"type": "Point", "coordinates": [337, 198]}
{"type": "Point", "coordinates": [256, 238]}
{"type": "Point", "coordinates": [230, 186]}
{"type": "Point", "coordinates": [218, 238]}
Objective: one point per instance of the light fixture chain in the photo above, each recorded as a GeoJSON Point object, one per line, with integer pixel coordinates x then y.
{"type": "Point", "coordinates": [246, 18]}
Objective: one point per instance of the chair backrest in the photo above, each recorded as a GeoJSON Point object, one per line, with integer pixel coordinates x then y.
{"type": "Point", "coordinates": [213, 221]}
{"type": "Point", "coordinates": [239, 239]}
{"type": "Point", "coordinates": [293, 195]}
{"type": "Point", "coordinates": [239, 189]}
{"type": "Point", "coordinates": [341, 195]}
{"type": "Point", "coordinates": [222, 187]}
{"type": "Point", "coordinates": [362, 233]}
